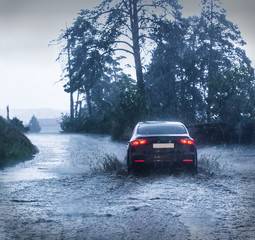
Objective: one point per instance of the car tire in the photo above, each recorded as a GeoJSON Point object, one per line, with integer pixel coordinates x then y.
{"type": "Point", "coordinates": [129, 169]}
{"type": "Point", "coordinates": [135, 169]}
{"type": "Point", "coordinates": [138, 169]}
{"type": "Point", "coordinates": [193, 168]}
{"type": "Point", "coordinates": [129, 165]}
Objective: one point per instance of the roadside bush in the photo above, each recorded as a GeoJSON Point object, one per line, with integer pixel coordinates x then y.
{"type": "Point", "coordinates": [14, 145]}
{"type": "Point", "coordinates": [65, 123]}
{"type": "Point", "coordinates": [18, 124]}
{"type": "Point", "coordinates": [246, 131]}
{"type": "Point", "coordinates": [218, 133]}
{"type": "Point", "coordinates": [108, 164]}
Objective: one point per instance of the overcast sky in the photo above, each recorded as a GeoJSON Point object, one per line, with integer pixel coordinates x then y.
{"type": "Point", "coordinates": [29, 73]}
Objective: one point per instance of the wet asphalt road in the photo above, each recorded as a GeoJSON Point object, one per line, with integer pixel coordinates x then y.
{"type": "Point", "coordinates": [64, 193]}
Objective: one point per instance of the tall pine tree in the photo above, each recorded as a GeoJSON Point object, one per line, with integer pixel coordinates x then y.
{"type": "Point", "coordinates": [219, 48]}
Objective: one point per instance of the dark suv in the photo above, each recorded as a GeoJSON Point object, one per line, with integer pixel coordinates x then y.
{"type": "Point", "coordinates": [161, 143]}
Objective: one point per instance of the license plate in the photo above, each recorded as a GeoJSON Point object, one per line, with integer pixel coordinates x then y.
{"type": "Point", "coordinates": [163, 145]}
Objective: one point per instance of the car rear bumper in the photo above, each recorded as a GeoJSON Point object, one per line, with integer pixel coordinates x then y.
{"type": "Point", "coordinates": [169, 159]}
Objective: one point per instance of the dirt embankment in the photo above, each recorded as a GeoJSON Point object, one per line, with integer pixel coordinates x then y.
{"type": "Point", "coordinates": [14, 145]}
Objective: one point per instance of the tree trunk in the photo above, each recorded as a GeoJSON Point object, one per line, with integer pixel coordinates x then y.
{"type": "Point", "coordinates": [71, 86]}
{"type": "Point", "coordinates": [77, 103]}
{"type": "Point", "coordinates": [71, 110]}
{"type": "Point", "coordinates": [136, 46]}
{"type": "Point", "coordinates": [88, 102]}
{"type": "Point", "coordinates": [8, 113]}
{"type": "Point", "coordinates": [173, 96]}
{"type": "Point", "coordinates": [210, 68]}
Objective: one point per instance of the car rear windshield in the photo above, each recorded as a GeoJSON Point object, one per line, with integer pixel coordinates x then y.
{"type": "Point", "coordinates": [161, 129]}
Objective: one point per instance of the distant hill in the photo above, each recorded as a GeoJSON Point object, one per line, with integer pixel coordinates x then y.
{"type": "Point", "coordinates": [26, 114]}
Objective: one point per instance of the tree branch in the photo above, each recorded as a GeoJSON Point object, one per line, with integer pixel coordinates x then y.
{"type": "Point", "coordinates": [128, 44]}
{"type": "Point", "coordinates": [145, 5]}
{"type": "Point", "coordinates": [122, 49]}
{"type": "Point", "coordinates": [125, 35]}
{"type": "Point", "coordinates": [127, 26]}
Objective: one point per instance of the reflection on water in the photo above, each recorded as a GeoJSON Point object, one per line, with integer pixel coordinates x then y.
{"type": "Point", "coordinates": [61, 154]}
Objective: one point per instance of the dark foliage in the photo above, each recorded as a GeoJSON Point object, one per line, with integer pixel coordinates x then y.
{"type": "Point", "coordinates": [14, 145]}
{"type": "Point", "coordinates": [198, 74]}
{"type": "Point", "coordinates": [221, 133]}
{"type": "Point", "coordinates": [116, 117]}
{"type": "Point", "coordinates": [18, 124]}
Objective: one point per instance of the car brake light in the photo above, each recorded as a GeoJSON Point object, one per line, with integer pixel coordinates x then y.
{"type": "Point", "coordinates": [139, 142]}
{"type": "Point", "coordinates": [139, 161]}
{"type": "Point", "coordinates": [187, 160]}
{"type": "Point", "coordinates": [186, 141]}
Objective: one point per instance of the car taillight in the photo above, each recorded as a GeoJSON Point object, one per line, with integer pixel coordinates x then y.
{"type": "Point", "coordinates": [187, 160]}
{"type": "Point", "coordinates": [139, 142]}
{"type": "Point", "coordinates": [186, 141]}
{"type": "Point", "coordinates": [139, 160]}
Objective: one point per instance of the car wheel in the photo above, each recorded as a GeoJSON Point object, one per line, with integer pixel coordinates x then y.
{"type": "Point", "coordinates": [193, 168]}
{"type": "Point", "coordinates": [129, 165]}
{"type": "Point", "coordinates": [135, 169]}
{"type": "Point", "coordinates": [129, 169]}
{"type": "Point", "coordinates": [138, 169]}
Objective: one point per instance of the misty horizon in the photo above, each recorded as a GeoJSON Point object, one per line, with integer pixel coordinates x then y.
{"type": "Point", "coordinates": [25, 114]}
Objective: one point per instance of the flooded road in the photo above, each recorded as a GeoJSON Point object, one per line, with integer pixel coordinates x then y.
{"type": "Point", "coordinates": [65, 193]}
